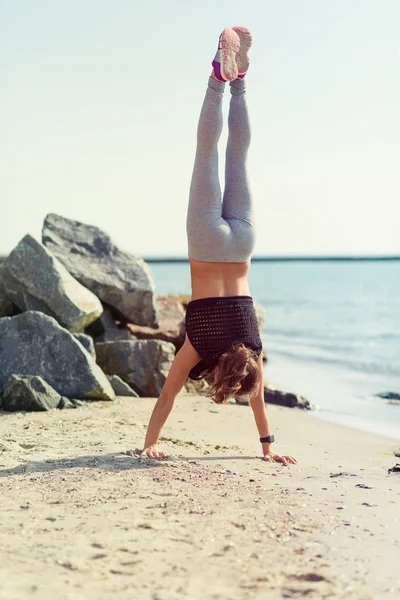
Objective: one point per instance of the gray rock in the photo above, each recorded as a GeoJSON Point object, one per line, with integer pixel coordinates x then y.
{"type": "Point", "coordinates": [7, 308]}
{"type": "Point", "coordinates": [69, 403]}
{"type": "Point", "coordinates": [119, 279]}
{"type": "Point", "coordinates": [33, 343]}
{"type": "Point", "coordinates": [29, 392]}
{"type": "Point", "coordinates": [106, 322]}
{"type": "Point", "coordinates": [116, 334]}
{"type": "Point", "coordinates": [32, 393]}
{"type": "Point", "coordinates": [273, 396]}
{"type": "Point", "coordinates": [120, 387]}
{"type": "Point", "coordinates": [106, 329]}
{"type": "Point", "coordinates": [143, 364]}
{"type": "Point", "coordinates": [395, 469]}
{"type": "Point", "coordinates": [388, 395]}
{"type": "Point", "coordinates": [87, 342]}
{"type": "Point", "coordinates": [35, 280]}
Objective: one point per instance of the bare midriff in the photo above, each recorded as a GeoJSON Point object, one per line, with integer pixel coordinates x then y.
{"type": "Point", "coordinates": [211, 279]}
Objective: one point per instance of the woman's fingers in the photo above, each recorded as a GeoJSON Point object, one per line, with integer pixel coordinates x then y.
{"type": "Point", "coordinates": [153, 452]}
{"type": "Point", "coordinates": [285, 460]}
{"type": "Point", "coordinates": [290, 459]}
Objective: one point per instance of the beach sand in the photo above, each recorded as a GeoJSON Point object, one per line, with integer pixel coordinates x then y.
{"type": "Point", "coordinates": [82, 519]}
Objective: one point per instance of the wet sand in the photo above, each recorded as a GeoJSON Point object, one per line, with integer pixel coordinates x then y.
{"type": "Point", "coordinates": [84, 518]}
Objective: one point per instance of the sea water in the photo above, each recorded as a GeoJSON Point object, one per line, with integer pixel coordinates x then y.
{"type": "Point", "coordinates": [332, 333]}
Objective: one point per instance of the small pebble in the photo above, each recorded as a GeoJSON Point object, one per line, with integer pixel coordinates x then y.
{"type": "Point", "coordinates": [362, 485]}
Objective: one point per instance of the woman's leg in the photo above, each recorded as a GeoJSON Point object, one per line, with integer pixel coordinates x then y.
{"type": "Point", "coordinates": [237, 206]}
{"type": "Point", "coordinates": [237, 202]}
{"type": "Point", "coordinates": [205, 207]}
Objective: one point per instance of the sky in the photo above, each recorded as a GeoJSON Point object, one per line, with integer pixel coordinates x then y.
{"type": "Point", "coordinates": [99, 108]}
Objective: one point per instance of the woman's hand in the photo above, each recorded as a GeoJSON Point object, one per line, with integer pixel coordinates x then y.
{"type": "Point", "coordinates": [273, 457]}
{"type": "Point", "coordinates": [153, 452]}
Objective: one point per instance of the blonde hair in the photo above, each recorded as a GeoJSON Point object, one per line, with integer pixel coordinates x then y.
{"type": "Point", "coordinates": [237, 374]}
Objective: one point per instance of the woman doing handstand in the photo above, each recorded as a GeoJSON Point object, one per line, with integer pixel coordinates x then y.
{"type": "Point", "coordinates": [222, 336]}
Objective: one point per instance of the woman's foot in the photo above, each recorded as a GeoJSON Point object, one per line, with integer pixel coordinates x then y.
{"type": "Point", "coordinates": [224, 63]}
{"type": "Point", "coordinates": [242, 57]}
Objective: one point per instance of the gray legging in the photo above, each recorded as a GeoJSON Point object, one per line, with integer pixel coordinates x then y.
{"type": "Point", "coordinates": [221, 231]}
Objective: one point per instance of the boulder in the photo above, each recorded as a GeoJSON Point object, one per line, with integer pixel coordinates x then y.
{"type": "Point", "coordinates": [119, 279]}
{"type": "Point", "coordinates": [273, 396]}
{"type": "Point", "coordinates": [106, 328]}
{"type": "Point", "coordinates": [143, 364]}
{"type": "Point", "coordinates": [87, 342]}
{"type": "Point", "coordinates": [32, 393]}
{"type": "Point", "coordinates": [7, 308]}
{"type": "Point", "coordinates": [35, 280]}
{"type": "Point", "coordinates": [105, 322]}
{"type": "Point", "coordinates": [395, 469]}
{"type": "Point", "coordinates": [116, 334]}
{"type": "Point", "coordinates": [69, 403]}
{"type": "Point", "coordinates": [29, 392]}
{"type": "Point", "coordinates": [171, 323]}
{"type": "Point", "coordinates": [388, 395]}
{"type": "Point", "coordinates": [120, 387]}
{"type": "Point", "coordinates": [33, 343]}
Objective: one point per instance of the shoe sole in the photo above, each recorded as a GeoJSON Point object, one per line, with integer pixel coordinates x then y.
{"type": "Point", "coordinates": [242, 57]}
{"type": "Point", "coordinates": [229, 45]}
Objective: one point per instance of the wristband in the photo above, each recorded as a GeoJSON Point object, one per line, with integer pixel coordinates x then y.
{"type": "Point", "coordinates": [269, 439]}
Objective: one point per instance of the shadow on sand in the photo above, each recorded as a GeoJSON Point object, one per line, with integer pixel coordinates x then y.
{"type": "Point", "coordinates": [119, 461]}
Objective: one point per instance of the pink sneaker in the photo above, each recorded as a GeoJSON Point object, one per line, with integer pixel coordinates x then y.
{"type": "Point", "coordinates": [242, 57]}
{"type": "Point", "coordinates": [224, 63]}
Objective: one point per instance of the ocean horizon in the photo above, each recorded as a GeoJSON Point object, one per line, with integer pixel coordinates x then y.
{"type": "Point", "coordinates": [280, 258]}
{"type": "Point", "coordinates": [290, 258]}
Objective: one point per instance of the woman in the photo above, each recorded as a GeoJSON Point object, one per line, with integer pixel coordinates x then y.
{"type": "Point", "coordinates": [222, 338]}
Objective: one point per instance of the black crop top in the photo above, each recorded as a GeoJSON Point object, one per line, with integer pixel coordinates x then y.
{"type": "Point", "coordinates": [213, 325]}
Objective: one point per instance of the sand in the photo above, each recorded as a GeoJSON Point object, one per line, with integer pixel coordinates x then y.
{"type": "Point", "coordinates": [84, 519]}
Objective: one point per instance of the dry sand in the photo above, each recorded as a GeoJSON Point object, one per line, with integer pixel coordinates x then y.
{"type": "Point", "coordinates": [81, 519]}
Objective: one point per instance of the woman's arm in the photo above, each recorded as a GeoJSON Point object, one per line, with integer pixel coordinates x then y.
{"type": "Point", "coordinates": [184, 361]}
{"type": "Point", "coordinates": [261, 418]}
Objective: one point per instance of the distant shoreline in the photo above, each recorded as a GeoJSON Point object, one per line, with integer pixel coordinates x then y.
{"type": "Point", "coordinates": [182, 259]}
{"type": "Point", "coordinates": [172, 259]}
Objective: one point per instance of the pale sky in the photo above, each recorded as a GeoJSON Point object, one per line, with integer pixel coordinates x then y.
{"type": "Point", "coordinates": [100, 101]}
